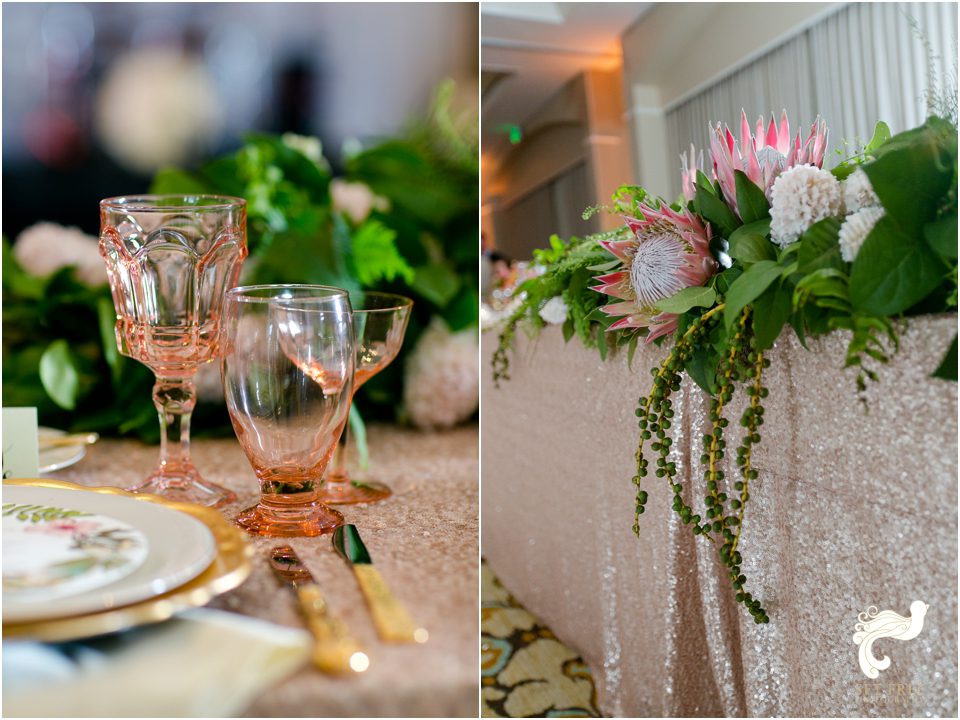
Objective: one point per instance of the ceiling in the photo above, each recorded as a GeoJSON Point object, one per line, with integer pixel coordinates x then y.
{"type": "Point", "coordinates": [528, 52]}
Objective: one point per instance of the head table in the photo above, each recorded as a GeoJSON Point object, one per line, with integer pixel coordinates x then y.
{"type": "Point", "coordinates": [424, 540]}
{"type": "Point", "coordinates": [854, 507]}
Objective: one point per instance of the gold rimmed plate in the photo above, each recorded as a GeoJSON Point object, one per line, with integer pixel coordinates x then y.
{"type": "Point", "coordinates": [229, 567]}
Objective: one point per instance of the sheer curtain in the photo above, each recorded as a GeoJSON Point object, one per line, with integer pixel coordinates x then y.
{"type": "Point", "coordinates": [861, 64]}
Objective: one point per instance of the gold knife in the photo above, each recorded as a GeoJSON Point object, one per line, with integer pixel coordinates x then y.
{"type": "Point", "coordinates": [393, 622]}
{"type": "Point", "coordinates": [334, 650]}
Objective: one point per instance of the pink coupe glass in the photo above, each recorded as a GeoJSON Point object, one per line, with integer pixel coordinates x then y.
{"type": "Point", "coordinates": [170, 260]}
{"type": "Point", "coordinates": [379, 324]}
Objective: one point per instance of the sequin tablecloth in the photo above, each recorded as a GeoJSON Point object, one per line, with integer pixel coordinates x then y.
{"type": "Point", "coordinates": [851, 510]}
{"type": "Point", "coordinates": [424, 540]}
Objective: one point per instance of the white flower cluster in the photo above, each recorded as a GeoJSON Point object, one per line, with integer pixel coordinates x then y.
{"type": "Point", "coordinates": [804, 194]}
{"type": "Point", "coordinates": [858, 192]}
{"type": "Point", "coordinates": [46, 247]}
{"type": "Point", "coordinates": [800, 197]}
{"type": "Point", "coordinates": [554, 311]}
{"type": "Point", "coordinates": [442, 377]}
{"type": "Point", "coordinates": [865, 211]}
{"type": "Point", "coordinates": [855, 229]}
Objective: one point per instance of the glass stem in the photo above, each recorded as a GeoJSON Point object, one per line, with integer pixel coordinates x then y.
{"type": "Point", "coordinates": [175, 400]}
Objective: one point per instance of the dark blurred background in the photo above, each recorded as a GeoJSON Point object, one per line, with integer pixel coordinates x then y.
{"type": "Point", "coordinates": [98, 96]}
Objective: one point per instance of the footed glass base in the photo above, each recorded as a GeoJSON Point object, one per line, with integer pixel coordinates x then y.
{"type": "Point", "coordinates": [185, 485]}
{"type": "Point", "coordinates": [339, 489]}
{"type": "Point", "coordinates": [289, 516]}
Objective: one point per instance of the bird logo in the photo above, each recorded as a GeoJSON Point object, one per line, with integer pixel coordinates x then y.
{"type": "Point", "coordinates": [873, 625]}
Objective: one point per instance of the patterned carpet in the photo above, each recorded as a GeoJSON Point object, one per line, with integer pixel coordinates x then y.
{"type": "Point", "coordinates": [526, 671]}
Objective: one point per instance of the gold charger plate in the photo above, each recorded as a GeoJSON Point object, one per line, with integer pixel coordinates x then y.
{"type": "Point", "coordinates": [229, 569]}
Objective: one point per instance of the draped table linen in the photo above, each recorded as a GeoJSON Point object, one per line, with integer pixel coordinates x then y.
{"type": "Point", "coordinates": [855, 506]}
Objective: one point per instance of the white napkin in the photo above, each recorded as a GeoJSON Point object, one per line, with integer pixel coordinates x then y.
{"type": "Point", "coordinates": [204, 663]}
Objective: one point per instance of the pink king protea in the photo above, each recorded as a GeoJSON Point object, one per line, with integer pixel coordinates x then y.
{"type": "Point", "coordinates": [762, 157]}
{"type": "Point", "coordinates": [669, 251]}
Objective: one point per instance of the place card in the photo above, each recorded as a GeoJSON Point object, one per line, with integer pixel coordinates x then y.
{"type": "Point", "coordinates": [21, 458]}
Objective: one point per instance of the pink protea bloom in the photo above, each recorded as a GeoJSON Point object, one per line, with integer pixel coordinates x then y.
{"type": "Point", "coordinates": [763, 156]}
{"type": "Point", "coordinates": [668, 252]}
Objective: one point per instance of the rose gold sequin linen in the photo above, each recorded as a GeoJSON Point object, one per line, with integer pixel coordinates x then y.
{"type": "Point", "coordinates": [424, 540]}
{"type": "Point", "coordinates": [851, 509]}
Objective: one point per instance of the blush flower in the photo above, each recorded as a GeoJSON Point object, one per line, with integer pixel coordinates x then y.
{"type": "Point", "coordinates": [668, 252]}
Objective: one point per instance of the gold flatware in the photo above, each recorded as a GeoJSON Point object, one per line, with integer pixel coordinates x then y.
{"type": "Point", "coordinates": [334, 651]}
{"type": "Point", "coordinates": [52, 441]}
{"type": "Point", "coordinates": [391, 618]}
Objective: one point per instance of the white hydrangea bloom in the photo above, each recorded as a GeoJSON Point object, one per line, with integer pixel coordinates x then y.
{"type": "Point", "coordinates": [855, 230]}
{"type": "Point", "coordinates": [858, 192]}
{"type": "Point", "coordinates": [800, 197]}
{"type": "Point", "coordinates": [46, 247]}
{"type": "Point", "coordinates": [554, 311]}
{"type": "Point", "coordinates": [442, 376]}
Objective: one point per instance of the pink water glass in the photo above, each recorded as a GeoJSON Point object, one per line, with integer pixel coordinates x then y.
{"type": "Point", "coordinates": [288, 374]}
{"type": "Point", "coordinates": [170, 260]}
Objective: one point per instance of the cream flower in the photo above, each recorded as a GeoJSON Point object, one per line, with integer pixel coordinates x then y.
{"type": "Point", "coordinates": [157, 107]}
{"type": "Point", "coordinates": [858, 192]}
{"type": "Point", "coordinates": [800, 197]}
{"type": "Point", "coordinates": [554, 311]}
{"type": "Point", "coordinates": [442, 377]}
{"type": "Point", "coordinates": [855, 230]}
{"type": "Point", "coordinates": [356, 199]}
{"type": "Point", "coordinates": [46, 247]}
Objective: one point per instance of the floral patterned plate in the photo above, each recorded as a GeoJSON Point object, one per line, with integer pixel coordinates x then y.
{"type": "Point", "coordinates": [68, 552]}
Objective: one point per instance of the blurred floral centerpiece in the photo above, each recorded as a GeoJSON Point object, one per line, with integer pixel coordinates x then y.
{"type": "Point", "coordinates": [402, 218]}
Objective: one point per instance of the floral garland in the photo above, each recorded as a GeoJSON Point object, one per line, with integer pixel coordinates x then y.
{"type": "Point", "coordinates": [769, 239]}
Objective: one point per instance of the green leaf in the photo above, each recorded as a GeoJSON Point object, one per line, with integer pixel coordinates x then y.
{"type": "Point", "coordinates": [770, 313]}
{"type": "Point", "coordinates": [750, 248]}
{"type": "Point", "coordinates": [715, 211]}
{"type": "Point", "coordinates": [106, 318]}
{"type": "Point", "coordinates": [702, 370]}
{"type": "Point", "coordinates": [748, 287]}
{"type": "Point", "coordinates": [375, 255]}
{"type": "Point", "coordinates": [174, 181]}
{"type": "Point", "coordinates": [751, 201]}
{"type": "Point", "coordinates": [568, 330]}
{"type": "Point", "coordinates": [820, 246]}
{"type": "Point", "coordinates": [881, 133]}
{"type": "Point", "coordinates": [687, 298]}
{"type": "Point", "coordinates": [948, 366]}
{"type": "Point", "coordinates": [358, 431]}
{"type": "Point", "coordinates": [60, 375]}
{"type": "Point", "coordinates": [892, 271]}
{"type": "Point", "coordinates": [603, 267]}
{"type": "Point", "coordinates": [911, 178]}
{"type": "Point", "coordinates": [941, 235]}
{"type": "Point", "coordinates": [463, 310]}
{"type": "Point", "coordinates": [631, 349]}
{"type": "Point", "coordinates": [437, 283]}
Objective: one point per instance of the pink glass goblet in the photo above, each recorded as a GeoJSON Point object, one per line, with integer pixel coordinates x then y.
{"type": "Point", "coordinates": [288, 373]}
{"type": "Point", "coordinates": [170, 260]}
{"type": "Point", "coordinates": [379, 324]}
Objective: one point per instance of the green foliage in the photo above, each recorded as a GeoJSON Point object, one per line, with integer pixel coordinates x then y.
{"type": "Point", "coordinates": [420, 240]}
